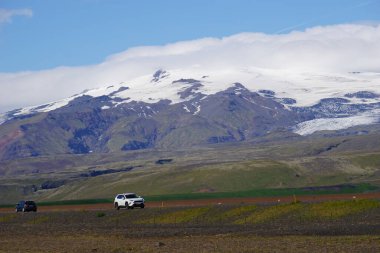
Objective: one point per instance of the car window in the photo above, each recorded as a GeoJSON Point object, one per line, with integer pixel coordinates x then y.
{"type": "Point", "coordinates": [120, 196]}
{"type": "Point", "coordinates": [131, 196]}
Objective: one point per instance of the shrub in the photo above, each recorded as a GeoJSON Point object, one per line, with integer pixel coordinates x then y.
{"type": "Point", "coordinates": [269, 213]}
{"type": "Point", "coordinates": [38, 220]}
{"type": "Point", "coordinates": [233, 213]}
{"type": "Point", "coordinates": [100, 214]}
{"type": "Point", "coordinates": [7, 218]}
{"type": "Point", "coordinates": [181, 216]}
{"type": "Point", "coordinates": [337, 209]}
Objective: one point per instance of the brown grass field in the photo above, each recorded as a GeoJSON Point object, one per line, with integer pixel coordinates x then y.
{"type": "Point", "coordinates": [322, 226]}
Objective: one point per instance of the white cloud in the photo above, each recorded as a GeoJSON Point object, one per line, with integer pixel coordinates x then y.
{"type": "Point", "coordinates": [7, 15]}
{"type": "Point", "coordinates": [329, 49]}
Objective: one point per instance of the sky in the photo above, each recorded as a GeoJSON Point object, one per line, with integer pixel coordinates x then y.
{"type": "Point", "coordinates": [56, 48]}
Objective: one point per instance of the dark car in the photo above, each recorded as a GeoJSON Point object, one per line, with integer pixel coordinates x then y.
{"type": "Point", "coordinates": [26, 206]}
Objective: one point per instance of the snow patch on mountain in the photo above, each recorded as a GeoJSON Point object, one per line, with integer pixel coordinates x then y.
{"type": "Point", "coordinates": [312, 126]}
{"type": "Point", "coordinates": [306, 89]}
{"type": "Point", "coordinates": [3, 118]}
{"type": "Point", "coordinates": [198, 109]}
{"type": "Point", "coordinates": [303, 89]}
{"type": "Point", "coordinates": [185, 108]}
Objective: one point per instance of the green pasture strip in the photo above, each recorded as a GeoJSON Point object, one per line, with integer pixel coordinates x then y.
{"type": "Point", "coordinates": [7, 205]}
{"type": "Point", "coordinates": [68, 202]}
{"type": "Point", "coordinates": [75, 202]}
{"type": "Point", "coordinates": [341, 189]}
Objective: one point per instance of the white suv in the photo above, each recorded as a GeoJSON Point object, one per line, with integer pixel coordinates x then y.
{"type": "Point", "coordinates": [128, 200]}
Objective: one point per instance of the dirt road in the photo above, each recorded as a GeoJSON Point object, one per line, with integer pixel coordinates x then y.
{"type": "Point", "coordinates": [216, 201]}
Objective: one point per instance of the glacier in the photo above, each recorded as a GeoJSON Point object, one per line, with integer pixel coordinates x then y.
{"type": "Point", "coordinates": [312, 126]}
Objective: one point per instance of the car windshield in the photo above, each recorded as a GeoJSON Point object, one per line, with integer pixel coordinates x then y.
{"type": "Point", "coordinates": [21, 202]}
{"type": "Point", "coordinates": [131, 196]}
{"type": "Point", "coordinates": [29, 202]}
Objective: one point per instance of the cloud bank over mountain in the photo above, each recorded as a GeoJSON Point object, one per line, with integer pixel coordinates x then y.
{"type": "Point", "coordinates": [329, 49]}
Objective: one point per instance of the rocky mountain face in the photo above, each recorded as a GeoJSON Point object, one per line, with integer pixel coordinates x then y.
{"type": "Point", "coordinates": [107, 122]}
{"type": "Point", "coordinates": [87, 125]}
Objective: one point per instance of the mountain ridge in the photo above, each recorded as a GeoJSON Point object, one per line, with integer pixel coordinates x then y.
{"type": "Point", "coordinates": [177, 112]}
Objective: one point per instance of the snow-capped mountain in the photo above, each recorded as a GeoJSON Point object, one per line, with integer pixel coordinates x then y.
{"type": "Point", "coordinates": [186, 107]}
{"type": "Point", "coordinates": [323, 94]}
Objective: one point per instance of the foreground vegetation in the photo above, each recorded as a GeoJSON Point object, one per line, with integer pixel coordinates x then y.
{"type": "Point", "coordinates": [337, 226]}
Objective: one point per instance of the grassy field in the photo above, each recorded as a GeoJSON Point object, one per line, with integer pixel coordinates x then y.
{"type": "Point", "coordinates": [294, 227]}
{"type": "Point", "coordinates": [244, 169]}
{"type": "Point", "coordinates": [367, 161]}
{"type": "Point", "coordinates": [184, 179]}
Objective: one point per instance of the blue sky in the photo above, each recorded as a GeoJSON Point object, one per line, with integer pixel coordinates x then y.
{"type": "Point", "coordinates": [44, 34]}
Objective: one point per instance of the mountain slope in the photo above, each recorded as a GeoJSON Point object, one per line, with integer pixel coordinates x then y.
{"type": "Point", "coordinates": [82, 126]}
{"type": "Point", "coordinates": [167, 111]}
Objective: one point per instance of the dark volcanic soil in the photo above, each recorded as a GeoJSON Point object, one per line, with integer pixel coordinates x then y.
{"type": "Point", "coordinates": [189, 229]}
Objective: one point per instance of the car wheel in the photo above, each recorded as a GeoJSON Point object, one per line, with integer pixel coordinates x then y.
{"type": "Point", "coordinates": [142, 206]}
{"type": "Point", "coordinates": [16, 210]}
{"type": "Point", "coordinates": [117, 206]}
